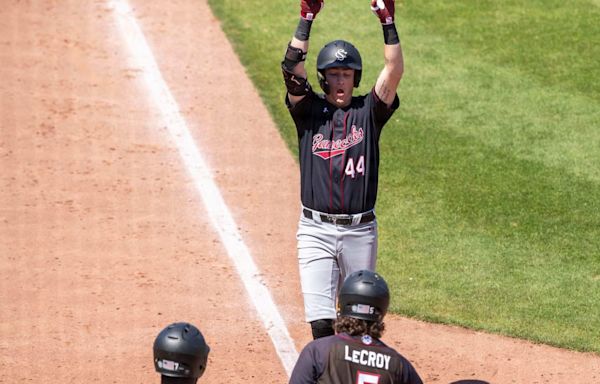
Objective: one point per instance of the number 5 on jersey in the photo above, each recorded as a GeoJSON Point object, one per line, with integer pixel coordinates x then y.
{"type": "Point", "coordinates": [353, 170]}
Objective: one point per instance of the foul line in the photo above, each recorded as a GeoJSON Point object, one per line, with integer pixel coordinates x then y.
{"type": "Point", "coordinates": [142, 57]}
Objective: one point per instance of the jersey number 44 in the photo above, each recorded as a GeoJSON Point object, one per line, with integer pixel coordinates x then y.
{"type": "Point", "coordinates": [353, 170]}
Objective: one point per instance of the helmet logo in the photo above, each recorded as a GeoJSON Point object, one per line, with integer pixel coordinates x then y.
{"type": "Point", "coordinates": [168, 365]}
{"type": "Point", "coordinates": [363, 308]}
{"type": "Point", "coordinates": [341, 54]}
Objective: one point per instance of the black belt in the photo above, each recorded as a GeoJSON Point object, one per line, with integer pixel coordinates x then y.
{"type": "Point", "coordinates": [336, 219]}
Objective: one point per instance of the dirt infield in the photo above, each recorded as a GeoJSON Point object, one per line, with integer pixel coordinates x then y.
{"type": "Point", "coordinates": [104, 239]}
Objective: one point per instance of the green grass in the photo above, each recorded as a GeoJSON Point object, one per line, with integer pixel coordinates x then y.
{"type": "Point", "coordinates": [489, 202]}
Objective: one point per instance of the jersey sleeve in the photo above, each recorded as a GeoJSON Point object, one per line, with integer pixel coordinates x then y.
{"type": "Point", "coordinates": [409, 374]}
{"type": "Point", "coordinates": [308, 368]}
{"type": "Point", "coordinates": [301, 111]}
{"type": "Point", "coordinates": [301, 108]}
{"type": "Point", "coordinates": [381, 111]}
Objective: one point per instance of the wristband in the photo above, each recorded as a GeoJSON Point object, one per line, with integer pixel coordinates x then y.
{"type": "Point", "coordinates": [390, 35]}
{"type": "Point", "coordinates": [303, 30]}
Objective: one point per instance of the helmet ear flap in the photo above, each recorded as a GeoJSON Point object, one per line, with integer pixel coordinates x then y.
{"type": "Point", "coordinates": [357, 76]}
{"type": "Point", "coordinates": [323, 82]}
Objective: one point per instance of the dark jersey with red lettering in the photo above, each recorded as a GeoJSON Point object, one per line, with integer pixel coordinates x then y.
{"type": "Point", "coordinates": [344, 359]}
{"type": "Point", "coordinates": [339, 151]}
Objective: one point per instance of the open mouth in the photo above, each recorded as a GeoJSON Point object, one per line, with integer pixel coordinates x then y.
{"type": "Point", "coordinates": [339, 93]}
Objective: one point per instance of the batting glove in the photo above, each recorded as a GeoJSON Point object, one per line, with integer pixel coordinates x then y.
{"type": "Point", "coordinates": [384, 10]}
{"type": "Point", "coordinates": [310, 8]}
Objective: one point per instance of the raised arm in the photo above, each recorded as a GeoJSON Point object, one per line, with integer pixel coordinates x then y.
{"type": "Point", "coordinates": [294, 73]}
{"type": "Point", "coordinates": [389, 78]}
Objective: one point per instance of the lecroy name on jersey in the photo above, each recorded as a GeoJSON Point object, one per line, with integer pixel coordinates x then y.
{"type": "Point", "coordinates": [366, 357]}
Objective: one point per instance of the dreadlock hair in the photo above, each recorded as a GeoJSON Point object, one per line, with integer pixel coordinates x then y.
{"type": "Point", "coordinates": [357, 327]}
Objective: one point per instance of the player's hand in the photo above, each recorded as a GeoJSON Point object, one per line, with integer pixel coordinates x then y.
{"type": "Point", "coordinates": [310, 8]}
{"type": "Point", "coordinates": [384, 10]}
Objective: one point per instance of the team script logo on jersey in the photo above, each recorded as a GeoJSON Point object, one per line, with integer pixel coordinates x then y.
{"type": "Point", "coordinates": [327, 149]}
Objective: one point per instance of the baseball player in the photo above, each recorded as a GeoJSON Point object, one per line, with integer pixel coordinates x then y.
{"type": "Point", "coordinates": [180, 354]}
{"type": "Point", "coordinates": [338, 138]}
{"type": "Point", "coordinates": [356, 354]}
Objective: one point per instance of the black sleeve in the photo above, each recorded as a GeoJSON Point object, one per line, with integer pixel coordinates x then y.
{"type": "Point", "coordinates": [409, 374]}
{"type": "Point", "coordinates": [303, 106]}
{"type": "Point", "coordinates": [301, 111]}
{"type": "Point", "coordinates": [381, 111]}
{"type": "Point", "coordinates": [306, 371]}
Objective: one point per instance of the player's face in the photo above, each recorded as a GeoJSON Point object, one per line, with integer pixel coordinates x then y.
{"type": "Point", "coordinates": [341, 85]}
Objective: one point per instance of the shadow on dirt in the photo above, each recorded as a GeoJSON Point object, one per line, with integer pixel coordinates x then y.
{"type": "Point", "coordinates": [469, 382]}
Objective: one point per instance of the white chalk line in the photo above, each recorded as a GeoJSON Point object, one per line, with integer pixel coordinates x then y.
{"type": "Point", "coordinates": [142, 57]}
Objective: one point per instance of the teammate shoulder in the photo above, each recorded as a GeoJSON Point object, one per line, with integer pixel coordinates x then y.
{"type": "Point", "coordinates": [321, 346]}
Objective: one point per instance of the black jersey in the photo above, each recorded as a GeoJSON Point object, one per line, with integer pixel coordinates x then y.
{"type": "Point", "coordinates": [344, 359]}
{"type": "Point", "coordinates": [339, 151]}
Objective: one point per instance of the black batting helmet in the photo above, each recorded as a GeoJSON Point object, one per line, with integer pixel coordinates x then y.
{"type": "Point", "coordinates": [180, 352]}
{"type": "Point", "coordinates": [338, 53]}
{"type": "Point", "coordinates": [364, 295]}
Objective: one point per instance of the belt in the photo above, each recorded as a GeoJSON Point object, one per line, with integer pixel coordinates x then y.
{"type": "Point", "coordinates": [340, 219]}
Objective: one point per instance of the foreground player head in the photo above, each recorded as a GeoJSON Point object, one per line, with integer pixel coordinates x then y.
{"type": "Point", "coordinates": [362, 304]}
{"type": "Point", "coordinates": [180, 354]}
{"type": "Point", "coordinates": [339, 69]}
